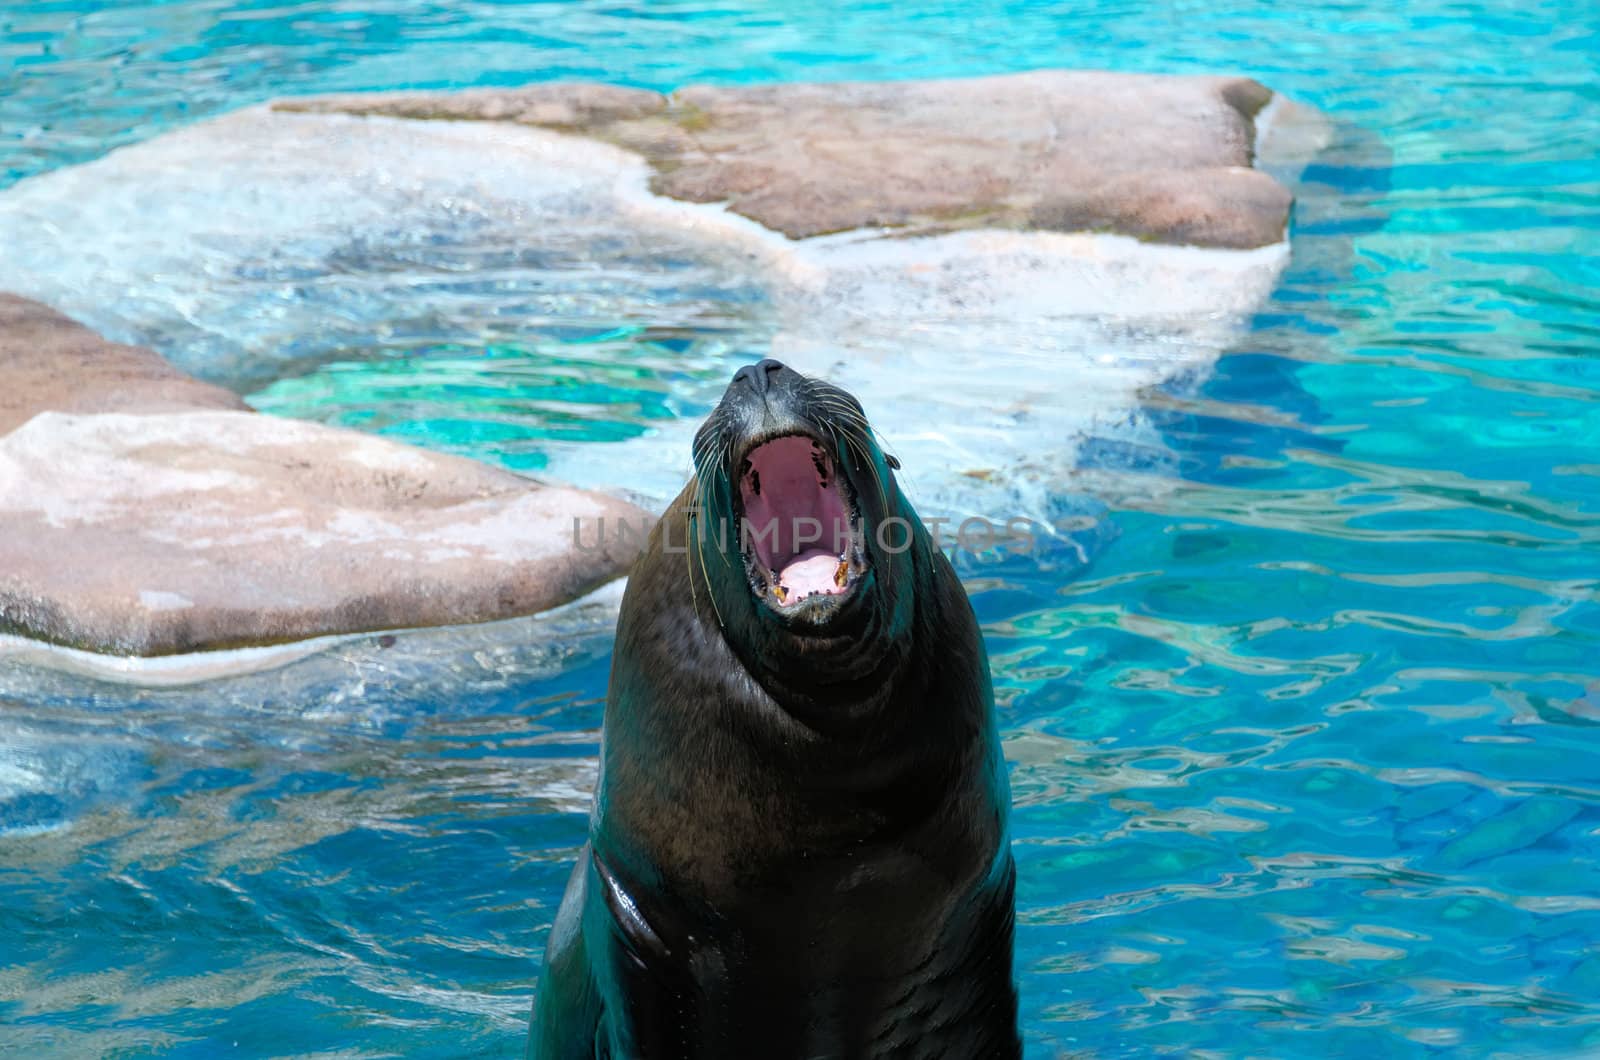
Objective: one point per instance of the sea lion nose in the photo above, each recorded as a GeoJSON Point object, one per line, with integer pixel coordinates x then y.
{"type": "Point", "coordinates": [759, 375]}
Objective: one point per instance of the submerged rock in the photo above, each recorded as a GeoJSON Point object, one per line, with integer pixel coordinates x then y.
{"type": "Point", "coordinates": [1162, 158]}
{"type": "Point", "coordinates": [143, 512]}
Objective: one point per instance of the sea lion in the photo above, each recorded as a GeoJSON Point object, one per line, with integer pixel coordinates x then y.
{"type": "Point", "coordinates": [798, 846]}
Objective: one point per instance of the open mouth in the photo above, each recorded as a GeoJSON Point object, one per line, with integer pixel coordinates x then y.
{"type": "Point", "coordinates": [800, 523]}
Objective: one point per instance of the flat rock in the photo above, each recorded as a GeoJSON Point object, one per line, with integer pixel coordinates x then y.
{"type": "Point", "coordinates": [143, 512]}
{"type": "Point", "coordinates": [1161, 158]}
{"type": "Point", "coordinates": [49, 361]}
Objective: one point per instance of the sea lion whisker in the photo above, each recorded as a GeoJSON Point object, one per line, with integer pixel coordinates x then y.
{"type": "Point", "coordinates": [872, 466]}
{"type": "Point", "coordinates": [700, 550]}
{"type": "Point", "coordinates": [865, 437]}
{"type": "Point", "coordinates": [703, 446]}
{"type": "Point", "coordinates": [844, 412]}
{"type": "Point", "coordinates": [852, 446]}
{"type": "Point", "coordinates": [837, 398]}
{"type": "Point", "coordinates": [722, 461]}
{"type": "Point", "coordinates": [860, 447]}
{"type": "Point", "coordinates": [688, 562]}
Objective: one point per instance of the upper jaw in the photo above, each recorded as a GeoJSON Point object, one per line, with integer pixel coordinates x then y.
{"type": "Point", "coordinates": [741, 452]}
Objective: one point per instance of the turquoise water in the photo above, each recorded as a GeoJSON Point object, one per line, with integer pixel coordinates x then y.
{"type": "Point", "coordinates": [1304, 745]}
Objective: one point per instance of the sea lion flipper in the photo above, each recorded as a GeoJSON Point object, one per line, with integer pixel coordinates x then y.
{"type": "Point", "coordinates": [567, 1017]}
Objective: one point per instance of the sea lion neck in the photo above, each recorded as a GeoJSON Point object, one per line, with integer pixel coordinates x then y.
{"type": "Point", "coordinates": [835, 681]}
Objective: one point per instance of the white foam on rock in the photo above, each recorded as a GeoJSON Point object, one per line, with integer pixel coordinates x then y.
{"type": "Point", "coordinates": [260, 237]}
{"type": "Point", "coordinates": [345, 655]}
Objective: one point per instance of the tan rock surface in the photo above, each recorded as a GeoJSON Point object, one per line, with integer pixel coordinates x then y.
{"type": "Point", "coordinates": [179, 523]}
{"type": "Point", "coordinates": [49, 361]}
{"type": "Point", "coordinates": [1161, 158]}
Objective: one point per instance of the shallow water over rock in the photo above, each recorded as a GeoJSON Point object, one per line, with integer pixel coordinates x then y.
{"type": "Point", "coordinates": [984, 354]}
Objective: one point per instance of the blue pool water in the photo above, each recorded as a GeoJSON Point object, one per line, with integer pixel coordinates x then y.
{"type": "Point", "coordinates": [1304, 752]}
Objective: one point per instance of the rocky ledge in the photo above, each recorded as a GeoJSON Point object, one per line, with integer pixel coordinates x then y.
{"type": "Point", "coordinates": [144, 512]}
{"type": "Point", "coordinates": [1162, 158]}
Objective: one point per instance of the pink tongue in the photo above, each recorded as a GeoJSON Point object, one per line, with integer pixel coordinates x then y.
{"type": "Point", "coordinates": [813, 574]}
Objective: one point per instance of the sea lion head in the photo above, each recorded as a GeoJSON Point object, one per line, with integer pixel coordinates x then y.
{"type": "Point", "coordinates": [803, 541]}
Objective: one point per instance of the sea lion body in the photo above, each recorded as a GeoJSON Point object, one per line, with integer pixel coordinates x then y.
{"type": "Point", "coordinates": [798, 846]}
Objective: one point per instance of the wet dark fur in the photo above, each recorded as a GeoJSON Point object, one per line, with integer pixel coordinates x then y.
{"type": "Point", "coordinates": [798, 846]}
